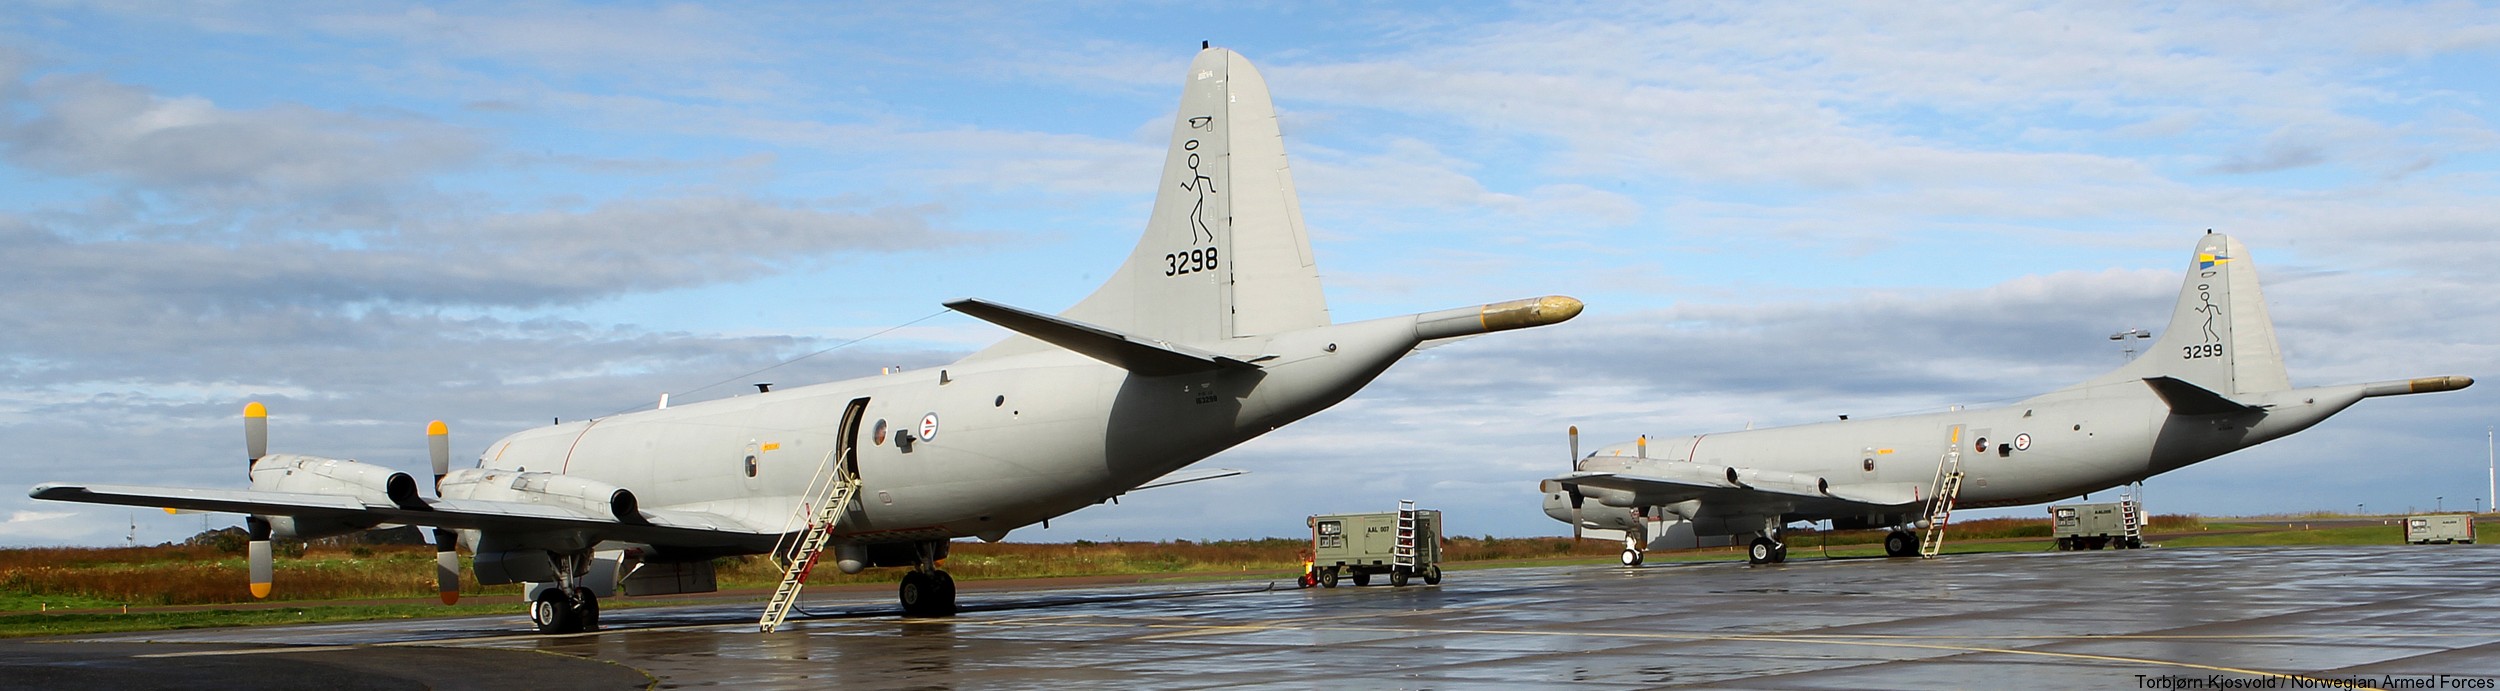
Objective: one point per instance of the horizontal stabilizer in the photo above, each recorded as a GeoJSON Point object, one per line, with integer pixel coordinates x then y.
{"type": "Point", "coordinates": [1179, 478]}
{"type": "Point", "coordinates": [2189, 399]}
{"type": "Point", "coordinates": [1132, 353]}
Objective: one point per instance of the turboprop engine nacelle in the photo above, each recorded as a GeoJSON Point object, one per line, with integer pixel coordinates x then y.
{"type": "Point", "coordinates": [570, 492]}
{"type": "Point", "coordinates": [1773, 479]}
{"type": "Point", "coordinates": [366, 482]}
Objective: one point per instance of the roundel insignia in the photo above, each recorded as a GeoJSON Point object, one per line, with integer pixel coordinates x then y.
{"type": "Point", "coordinates": [928, 427]}
{"type": "Point", "coordinates": [2022, 442]}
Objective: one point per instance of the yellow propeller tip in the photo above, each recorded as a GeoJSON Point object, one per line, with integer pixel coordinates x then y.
{"type": "Point", "coordinates": [255, 409]}
{"type": "Point", "coordinates": [170, 510]}
{"type": "Point", "coordinates": [437, 428]}
{"type": "Point", "coordinates": [260, 590]}
{"type": "Point", "coordinates": [451, 598]}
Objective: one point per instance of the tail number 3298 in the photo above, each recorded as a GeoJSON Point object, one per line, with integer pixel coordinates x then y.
{"type": "Point", "coordinates": [1190, 262]}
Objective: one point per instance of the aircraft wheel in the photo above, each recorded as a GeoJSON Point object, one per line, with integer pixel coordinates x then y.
{"type": "Point", "coordinates": [1762, 551]}
{"type": "Point", "coordinates": [1432, 575]}
{"type": "Point", "coordinates": [1328, 577]}
{"type": "Point", "coordinates": [1397, 577]}
{"type": "Point", "coordinates": [1779, 555]}
{"type": "Point", "coordinates": [942, 600]}
{"type": "Point", "coordinates": [586, 609]}
{"type": "Point", "coordinates": [1631, 557]}
{"type": "Point", "coordinates": [916, 594]}
{"type": "Point", "coordinates": [1362, 578]}
{"type": "Point", "coordinates": [554, 613]}
{"type": "Point", "coordinates": [1900, 544]}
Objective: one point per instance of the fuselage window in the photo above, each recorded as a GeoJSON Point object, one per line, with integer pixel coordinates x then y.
{"type": "Point", "coordinates": [880, 439]}
{"type": "Point", "coordinates": [750, 466]}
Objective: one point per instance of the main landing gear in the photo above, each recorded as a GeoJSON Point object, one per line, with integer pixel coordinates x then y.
{"type": "Point", "coordinates": [1901, 543]}
{"type": "Point", "coordinates": [1632, 551]}
{"type": "Point", "coordinates": [568, 607]}
{"type": "Point", "coordinates": [556, 611]}
{"type": "Point", "coordinates": [1766, 551]}
{"type": "Point", "coordinates": [928, 591]}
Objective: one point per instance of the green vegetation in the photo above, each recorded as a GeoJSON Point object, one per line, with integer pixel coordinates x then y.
{"type": "Point", "coordinates": [73, 590]}
{"type": "Point", "coordinates": [2276, 535]}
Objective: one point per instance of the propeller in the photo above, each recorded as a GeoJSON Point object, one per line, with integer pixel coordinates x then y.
{"type": "Point", "coordinates": [446, 542]}
{"type": "Point", "coordinates": [256, 445]}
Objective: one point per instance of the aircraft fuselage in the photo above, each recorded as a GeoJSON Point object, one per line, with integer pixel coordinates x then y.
{"type": "Point", "coordinates": [969, 449]}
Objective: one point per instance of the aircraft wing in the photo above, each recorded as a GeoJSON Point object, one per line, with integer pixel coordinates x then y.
{"type": "Point", "coordinates": [1716, 490]}
{"type": "Point", "coordinates": [676, 527]}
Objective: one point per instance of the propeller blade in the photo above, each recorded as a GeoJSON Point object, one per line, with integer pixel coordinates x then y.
{"type": "Point", "coordinates": [255, 432]}
{"type": "Point", "coordinates": [262, 569]}
{"type": "Point", "coordinates": [1575, 447]}
{"type": "Point", "coordinates": [1576, 500]}
{"type": "Point", "coordinates": [447, 565]}
{"type": "Point", "coordinates": [438, 445]}
{"type": "Point", "coordinates": [1575, 489]}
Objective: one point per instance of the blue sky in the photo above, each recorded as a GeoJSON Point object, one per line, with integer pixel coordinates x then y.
{"type": "Point", "coordinates": [373, 215]}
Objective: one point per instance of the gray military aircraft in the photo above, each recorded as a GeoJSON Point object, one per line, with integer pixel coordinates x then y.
{"type": "Point", "coordinates": [2214, 383]}
{"type": "Point", "coordinates": [1212, 333]}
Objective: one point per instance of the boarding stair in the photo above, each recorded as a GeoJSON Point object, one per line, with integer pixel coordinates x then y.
{"type": "Point", "coordinates": [2131, 515]}
{"type": "Point", "coordinates": [1948, 486]}
{"type": "Point", "coordinates": [826, 500]}
{"type": "Point", "coordinates": [1405, 552]}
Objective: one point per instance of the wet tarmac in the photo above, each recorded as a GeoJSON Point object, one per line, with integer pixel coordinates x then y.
{"type": "Point", "coordinates": [2322, 617]}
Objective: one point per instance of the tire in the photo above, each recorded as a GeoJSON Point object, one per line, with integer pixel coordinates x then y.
{"type": "Point", "coordinates": [1432, 575]}
{"type": "Point", "coordinates": [585, 609]}
{"type": "Point", "coordinates": [1760, 552]}
{"type": "Point", "coordinates": [943, 605]}
{"type": "Point", "coordinates": [1900, 544]}
{"type": "Point", "coordinates": [1632, 557]}
{"type": "Point", "coordinates": [1397, 577]}
{"type": "Point", "coordinates": [1779, 555]}
{"type": "Point", "coordinates": [1328, 577]}
{"type": "Point", "coordinates": [552, 612]}
{"type": "Point", "coordinates": [915, 593]}
{"type": "Point", "coordinates": [1362, 578]}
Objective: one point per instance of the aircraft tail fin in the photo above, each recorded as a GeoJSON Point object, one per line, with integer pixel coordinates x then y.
{"type": "Point", "coordinates": [2220, 338]}
{"type": "Point", "coordinates": [1225, 253]}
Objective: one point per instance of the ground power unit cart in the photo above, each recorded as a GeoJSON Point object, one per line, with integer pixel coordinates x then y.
{"type": "Point", "coordinates": [1404, 544]}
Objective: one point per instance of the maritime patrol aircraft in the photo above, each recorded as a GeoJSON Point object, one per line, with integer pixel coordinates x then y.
{"type": "Point", "coordinates": [2212, 384]}
{"type": "Point", "coordinates": [1214, 332]}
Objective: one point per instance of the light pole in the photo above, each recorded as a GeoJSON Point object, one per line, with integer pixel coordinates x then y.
{"type": "Point", "coordinates": [2491, 468]}
{"type": "Point", "coordinates": [2129, 348]}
